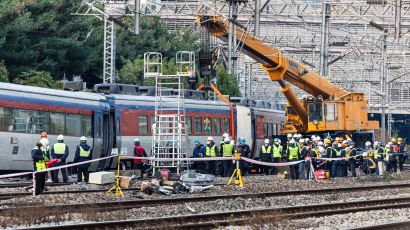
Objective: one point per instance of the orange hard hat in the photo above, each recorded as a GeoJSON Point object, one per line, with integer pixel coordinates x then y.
{"type": "Point", "coordinates": [43, 134]}
{"type": "Point", "coordinates": [335, 143]}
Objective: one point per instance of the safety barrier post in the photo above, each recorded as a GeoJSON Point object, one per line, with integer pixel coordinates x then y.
{"type": "Point", "coordinates": [117, 187]}
{"type": "Point", "coordinates": [237, 172]}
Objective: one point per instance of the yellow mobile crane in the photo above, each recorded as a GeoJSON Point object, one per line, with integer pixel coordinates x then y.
{"type": "Point", "coordinates": [331, 109]}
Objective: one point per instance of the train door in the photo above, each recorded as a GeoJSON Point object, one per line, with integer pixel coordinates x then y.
{"type": "Point", "coordinates": [98, 141]}
{"type": "Point", "coordinates": [109, 136]}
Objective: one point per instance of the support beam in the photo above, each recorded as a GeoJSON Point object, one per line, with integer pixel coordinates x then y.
{"type": "Point", "coordinates": [324, 42]}
{"type": "Point", "coordinates": [257, 17]}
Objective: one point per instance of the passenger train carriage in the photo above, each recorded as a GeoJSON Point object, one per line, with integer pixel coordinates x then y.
{"type": "Point", "coordinates": [112, 116]}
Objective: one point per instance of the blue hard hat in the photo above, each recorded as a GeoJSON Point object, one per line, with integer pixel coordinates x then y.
{"type": "Point", "coordinates": [352, 143]}
{"type": "Point", "coordinates": [243, 141]}
{"type": "Point", "coordinates": [328, 136]}
{"type": "Point", "coordinates": [171, 143]}
{"type": "Point", "coordinates": [380, 142]}
{"type": "Point", "coordinates": [197, 141]}
{"type": "Point", "coordinates": [276, 139]}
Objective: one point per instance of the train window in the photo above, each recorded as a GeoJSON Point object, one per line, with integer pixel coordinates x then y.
{"type": "Point", "coordinates": [265, 129]}
{"type": "Point", "coordinates": [198, 125]}
{"type": "Point", "coordinates": [226, 125]}
{"type": "Point", "coordinates": [331, 112]}
{"type": "Point", "coordinates": [86, 125]}
{"type": "Point", "coordinates": [207, 125]}
{"type": "Point", "coordinates": [6, 119]}
{"type": "Point", "coordinates": [57, 123]}
{"type": "Point", "coordinates": [217, 125]}
{"type": "Point", "coordinates": [29, 121]}
{"type": "Point", "coordinates": [315, 112]}
{"type": "Point", "coordinates": [142, 124]}
{"type": "Point", "coordinates": [151, 121]}
{"type": "Point", "coordinates": [270, 130]}
{"type": "Point", "coordinates": [98, 126]}
{"type": "Point", "coordinates": [73, 124]}
{"type": "Point", "coordinates": [188, 123]}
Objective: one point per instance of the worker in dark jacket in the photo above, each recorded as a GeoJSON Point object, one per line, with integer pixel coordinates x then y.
{"type": "Point", "coordinates": [245, 151]}
{"type": "Point", "coordinates": [83, 153]}
{"type": "Point", "coordinates": [39, 155]}
{"type": "Point", "coordinates": [139, 151]}
{"type": "Point", "coordinates": [198, 152]}
{"type": "Point", "coordinates": [60, 151]}
{"type": "Point", "coordinates": [401, 153]}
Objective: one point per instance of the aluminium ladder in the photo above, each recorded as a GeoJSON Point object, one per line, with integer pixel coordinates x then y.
{"type": "Point", "coordinates": [169, 135]}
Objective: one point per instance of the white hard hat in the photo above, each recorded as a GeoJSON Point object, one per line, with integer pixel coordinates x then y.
{"type": "Point", "coordinates": [301, 141]}
{"type": "Point", "coordinates": [299, 135]}
{"type": "Point", "coordinates": [289, 135]}
{"type": "Point", "coordinates": [390, 143]}
{"type": "Point", "coordinates": [368, 143]}
{"type": "Point", "coordinates": [60, 137]}
{"type": "Point", "coordinates": [292, 141]}
{"type": "Point", "coordinates": [136, 140]}
{"type": "Point", "coordinates": [313, 137]}
{"type": "Point", "coordinates": [387, 146]}
{"type": "Point", "coordinates": [225, 135]}
{"type": "Point", "coordinates": [345, 142]}
{"type": "Point", "coordinates": [320, 143]}
{"type": "Point", "coordinates": [226, 139]}
{"type": "Point", "coordinates": [376, 143]}
{"type": "Point", "coordinates": [317, 138]}
{"type": "Point", "coordinates": [83, 138]}
{"type": "Point", "coordinates": [210, 138]}
{"type": "Point", "coordinates": [266, 141]}
{"type": "Point", "coordinates": [295, 135]}
{"type": "Point", "coordinates": [44, 142]}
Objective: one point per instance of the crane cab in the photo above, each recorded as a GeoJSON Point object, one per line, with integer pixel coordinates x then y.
{"type": "Point", "coordinates": [347, 113]}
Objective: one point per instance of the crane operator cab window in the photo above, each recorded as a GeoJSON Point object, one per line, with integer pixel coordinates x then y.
{"type": "Point", "coordinates": [315, 112]}
{"type": "Point", "coordinates": [290, 110]}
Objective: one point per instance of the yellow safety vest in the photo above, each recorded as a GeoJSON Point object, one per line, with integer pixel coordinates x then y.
{"type": "Point", "coordinates": [84, 153]}
{"type": "Point", "coordinates": [338, 153]}
{"type": "Point", "coordinates": [59, 148]}
{"type": "Point", "coordinates": [210, 151]}
{"type": "Point", "coordinates": [41, 164]}
{"type": "Point", "coordinates": [277, 150]}
{"type": "Point", "coordinates": [377, 154]}
{"type": "Point", "coordinates": [388, 154]}
{"type": "Point", "coordinates": [293, 153]}
{"type": "Point", "coordinates": [227, 150]}
{"type": "Point", "coordinates": [264, 150]}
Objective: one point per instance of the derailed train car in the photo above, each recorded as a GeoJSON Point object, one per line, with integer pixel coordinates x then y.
{"type": "Point", "coordinates": [113, 115]}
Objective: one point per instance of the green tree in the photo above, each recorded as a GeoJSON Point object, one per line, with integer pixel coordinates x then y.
{"type": "Point", "coordinates": [227, 83]}
{"type": "Point", "coordinates": [37, 78]}
{"type": "Point", "coordinates": [4, 75]}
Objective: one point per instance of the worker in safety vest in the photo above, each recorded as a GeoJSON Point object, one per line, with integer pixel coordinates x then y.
{"type": "Point", "coordinates": [60, 151]}
{"type": "Point", "coordinates": [345, 163]}
{"type": "Point", "coordinates": [225, 135]}
{"type": "Point", "coordinates": [227, 151]}
{"type": "Point", "coordinates": [277, 150]}
{"type": "Point", "coordinates": [352, 153]}
{"type": "Point", "coordinates": [266, 155]}
{"type": "Point", "coordinates": [83, 153]}
{"type": "Point", "coordinates": [211, 151]}
{"type": "Point", "coordinates": [293, 154]}
{"type": "Point", "coordinates": [49, 175]}
{"type": "Point", "coordinates": [337, 164]}
{"type": "Point", "coordinates": [378, 157]}
{"type": "Point", "coordinates": [139, 151]}
{"type": "Point", "coordinates": [39, 155]}
{"type": "Point", "coordinates": [289, 137]}
{"type": "Point", "coordinates": [390, 159]}
{"type": "Point", "coordinates": [367, 165]}
{"type": "Point", "coordinates": [330, 153]}
{"type": "Point", "coordinates": [402, 153]}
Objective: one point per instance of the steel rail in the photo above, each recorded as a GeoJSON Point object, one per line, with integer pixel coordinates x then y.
{"type": "Point", "coordinates": [129, 204]}
{"type": "Point", "coordinates": [245, 217]}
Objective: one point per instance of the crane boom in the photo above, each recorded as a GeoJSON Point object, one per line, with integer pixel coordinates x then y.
{"type": "Point", "coordinates": [330, 109]}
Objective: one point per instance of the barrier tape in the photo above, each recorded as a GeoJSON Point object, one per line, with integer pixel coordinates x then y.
{"type": "Point", "coordinates": [74, 164]}
{"type": "Point", "coordinates": [180, 159]}
{"type": "Point", "coordinates": [15, 174]}
{"type": "Point", "coordinates": [272, 164]}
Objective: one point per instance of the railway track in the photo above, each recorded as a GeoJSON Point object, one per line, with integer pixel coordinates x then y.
{"type": "Point", "coordinates": [389, 226]}
{"type": "Point", "coordinates": [25, 184]}
{"type": "Point", "coordinates": [129, 204]}
{"type": "Point", "coordinates": [245, 217]}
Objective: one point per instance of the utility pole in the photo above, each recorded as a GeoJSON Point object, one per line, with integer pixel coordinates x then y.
{"type": "Point", "coordinates": [397, 19]}
{"type": "Point", "coordinates": [383, 87]}
{"type": "Point", "coordinates": [324, 41]}
{"type": "Point", "coordinates": [257, 17]}
{"type": "Point", "coordinates": [230, 40]}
